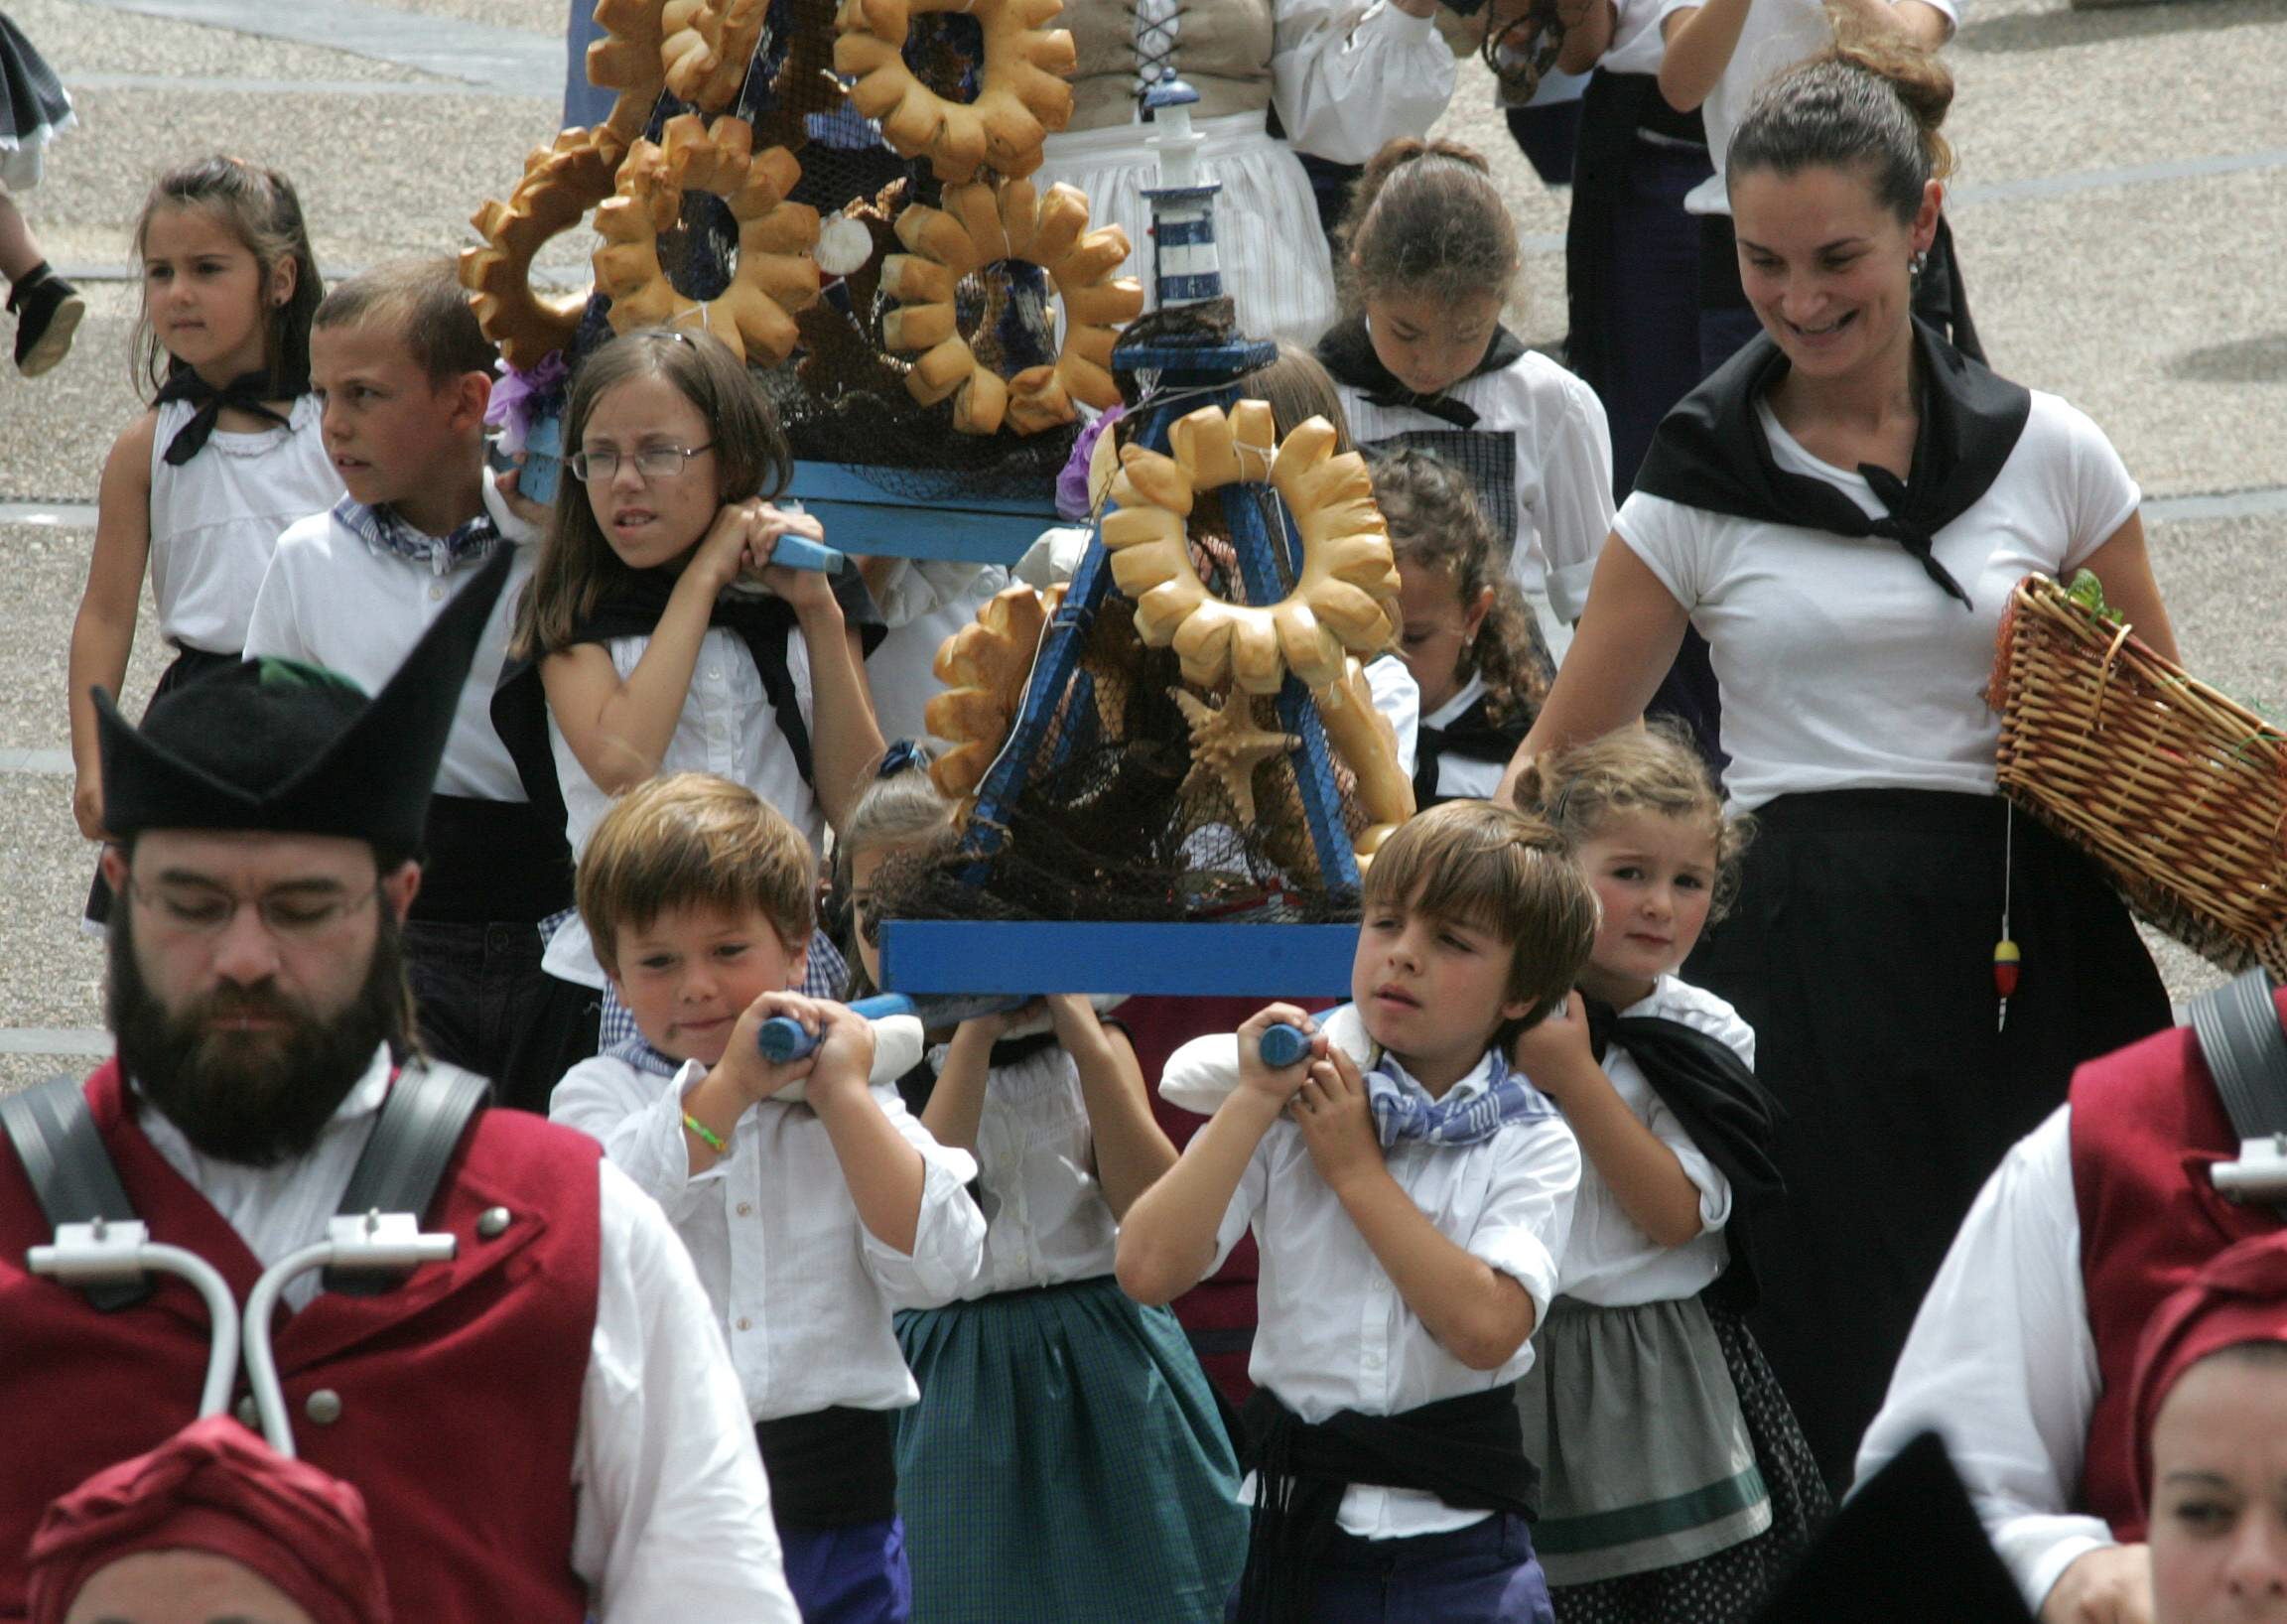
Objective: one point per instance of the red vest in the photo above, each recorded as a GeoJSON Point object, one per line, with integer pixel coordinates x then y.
{"type": "Point", "coordinates": [2147, 1126]}
{"type": "Point", "coordinates": [459, 1393]}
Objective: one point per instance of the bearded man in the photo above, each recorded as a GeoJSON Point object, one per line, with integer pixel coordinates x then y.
{"type": "Point", "coordinates": [545, 1427]}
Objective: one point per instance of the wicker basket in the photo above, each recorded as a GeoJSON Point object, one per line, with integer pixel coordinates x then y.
{"type": "Point", "coordinates": [2179, 792]}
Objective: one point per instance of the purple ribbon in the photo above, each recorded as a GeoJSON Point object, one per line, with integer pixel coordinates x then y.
{"type": "Point", "coordinates": [1072, 500]}
{"type": "Point", "coordinates": [521, 400]}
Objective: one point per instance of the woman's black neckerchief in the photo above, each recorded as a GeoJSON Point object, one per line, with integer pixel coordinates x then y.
{"type": "Point", "coordinates": [249, 392]}
{"type": "Point", "coordinates": [1711, 452]}
{"type": "Point", "coordinates": [1347, 352]}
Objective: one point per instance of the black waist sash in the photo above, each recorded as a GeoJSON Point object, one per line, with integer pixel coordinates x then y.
{"type": "Point", "coordinates": [829, 1468]}
{"type": "Point", "coordinates": [1468, 1451]}
{"type": "Point", "coordinates": [491, 863]}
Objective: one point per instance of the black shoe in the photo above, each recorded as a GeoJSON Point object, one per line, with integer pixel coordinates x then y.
{"type": "Point", "coordinates": [48, 312]}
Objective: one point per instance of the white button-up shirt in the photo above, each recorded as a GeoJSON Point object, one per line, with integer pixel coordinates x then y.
{"type": "Point", "coordinates": [2002, 1363]}
{"type": "Point", "coordinates": [1335, 1334]}
{"type": "Point", "coordinates": [803, 1289]}
{"type": "Point", "coordinates": [674, 1513]}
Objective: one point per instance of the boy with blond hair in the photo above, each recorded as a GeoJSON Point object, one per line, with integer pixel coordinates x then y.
{"type": "Point", "coordinates": [402, 373]}
{"type": "Point", "coordinates": [808, 1210]}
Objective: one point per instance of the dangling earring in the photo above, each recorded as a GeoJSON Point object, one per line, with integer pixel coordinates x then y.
{"type": "Point", "coordinates": [1917, 263]}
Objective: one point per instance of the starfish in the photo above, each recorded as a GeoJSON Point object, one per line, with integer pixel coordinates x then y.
{"type": "Point", "coordinates": [1227, 743]}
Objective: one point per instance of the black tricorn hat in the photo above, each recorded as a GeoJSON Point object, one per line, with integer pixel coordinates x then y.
{"type": "Point", "coordinates": [1905, 1548]}
{"type": "Point", "coordinates": [277, 745]}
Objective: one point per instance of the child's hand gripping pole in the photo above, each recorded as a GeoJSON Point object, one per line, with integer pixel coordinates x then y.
{"type": "Point", "coordinates": [1281, 1045]}
{"type": "Point", "coordinates": [783, 1038]}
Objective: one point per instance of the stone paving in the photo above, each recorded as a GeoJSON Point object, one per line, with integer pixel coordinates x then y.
{"type": "Point", "coordinates": [2121, 205]}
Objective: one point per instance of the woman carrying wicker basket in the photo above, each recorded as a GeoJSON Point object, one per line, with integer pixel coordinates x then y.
{"type": "Point", "coordinates": [1842, 510]}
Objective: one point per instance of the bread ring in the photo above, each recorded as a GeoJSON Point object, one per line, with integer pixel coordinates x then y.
{"type": "Point", "coordinates": [1361, 735]}
{"type": "Point", "coordinates": [626, 58]}
{"type": "Point", "coordinates": [1021, 94]}
{"type": "Point", "coordinates": [982, 224]}
{"type": "Point", "coordinates": [1343, 598]}
{"type": "Point", "coordinates": [984, 666]}
{"type": "Point", "coordinates": [776, 275]}
{"type": "Point", "coordinates": [561, 184]}
{"type": "Point", "coordinates": [705, 47]}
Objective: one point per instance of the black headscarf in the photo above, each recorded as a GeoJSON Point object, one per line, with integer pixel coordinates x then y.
{"type": "Point", "coordinates": [1347, 352]}
{"type": "Point", "coordinates": [1710, 453]}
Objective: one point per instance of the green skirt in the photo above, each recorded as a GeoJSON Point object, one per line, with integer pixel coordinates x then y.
{"type": "Point", "coordinates": [1066, 1464]}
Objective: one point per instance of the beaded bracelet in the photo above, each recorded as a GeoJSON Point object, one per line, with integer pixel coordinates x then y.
{"type": "Point", "coordinates": [706, 1135]}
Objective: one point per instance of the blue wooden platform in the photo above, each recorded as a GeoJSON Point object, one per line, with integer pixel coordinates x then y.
{"type": "Point", "coordinates": [863, 515]}
{"type": "Point", "coordinates": [1181, 960]}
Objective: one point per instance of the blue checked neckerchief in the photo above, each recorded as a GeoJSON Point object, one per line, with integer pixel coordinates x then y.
{"type": "Point", "coordinates": [385, 531]}
{"type": "Point", "coordinates": [638, 1052]}
{"type": "Point", "coordinates": [1403, 1109]}
{"type": "Point", "coordinates": [826, 975]}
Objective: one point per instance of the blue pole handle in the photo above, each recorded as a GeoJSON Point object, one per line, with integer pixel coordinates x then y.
{"type": "Point", "coordinates": [1283, 1046]}
{"type": "Point", "coordinates": [783, 1038]}
{"type": "Point", "coordinates": [801, 553]}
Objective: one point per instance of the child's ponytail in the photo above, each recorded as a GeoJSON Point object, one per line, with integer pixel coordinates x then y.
{"type": "Point", "coordinates": [1436, 524]}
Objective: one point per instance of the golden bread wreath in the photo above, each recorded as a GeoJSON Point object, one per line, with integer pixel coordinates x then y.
{"type": "Point", "coordinates": [1021, 94]}
{"type": "Point", "coordinates": [1362, 737]}
{"type": "Point", "coordinates": [986, 667]}
{"type": "Point", "coordinates": [978, 225]}
{"type": "Point", "coordinates": [561, 184]}
{"type": "Point", "coordinates": [1343, 596]}
{"type": "Point", "coordinates": [704, 46]}
{"type": "Point", "coordinates": [626, 58]}
{"type": "Point", "coordinates": [776, 275]}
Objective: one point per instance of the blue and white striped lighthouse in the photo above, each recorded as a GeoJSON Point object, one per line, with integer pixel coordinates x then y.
{"type": "Point", "coordinates": [1183, 259]}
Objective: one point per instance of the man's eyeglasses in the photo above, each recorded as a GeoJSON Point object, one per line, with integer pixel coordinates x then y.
{"type": "Point", "coordinates": [658, 462]}
{"type": "Point", "coordinates": [289, 913]}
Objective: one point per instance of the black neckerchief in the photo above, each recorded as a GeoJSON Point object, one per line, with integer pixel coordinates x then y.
{"type": "Point", "coordinates": [1710, 452]}
{"type": "Point", "coordinates": [1727, 1112]}
{"type": "Point", "coordinates": [1468, 1451]}
{"type": "Point", "coordinates": [250, 393]}
{"type": "Point", "coordinates": [1347, 352]}
{"type": "Point", "coordinates": [520, 704]}
{"type": "Point", "coordinates": [1472, 735]}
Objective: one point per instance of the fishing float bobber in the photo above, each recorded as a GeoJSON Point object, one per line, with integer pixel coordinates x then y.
{"type": "Point", "coordinates": [1183, 259]}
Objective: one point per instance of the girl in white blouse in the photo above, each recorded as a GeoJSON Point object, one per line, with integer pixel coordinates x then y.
{"type": "Point", "coordinates": [1067, 1459]}
{"type": "Point", "coordinates": [1676, 1482]}
{"type": "Point", "coordinates": [1423, 361]}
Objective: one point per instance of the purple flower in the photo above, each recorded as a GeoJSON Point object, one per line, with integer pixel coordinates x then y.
{"type": "Point", "coordinates": [1072, 500]}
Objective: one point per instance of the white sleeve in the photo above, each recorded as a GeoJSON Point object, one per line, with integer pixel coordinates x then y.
{"type": "Point", "coordinates": [1246, 1201]}
{"type": "Point", "coordinates": [1351, 75]}
{"type": "Point", "coordinates": [674, 1518]}
{"type": "Point", "coordinates": [1574, 513]}
{"type": "Point", "coordinates": [2100, 493]}
{"type": "Point", "coordinates": [275, 625]}
{"type": "Point", "coordinates": [638, 1120]}
{"type": "Point", "coordinates": [2000, 1360]}
{"type": "Point", "coordinates": [1399, 698]}
{"type": "Point", "coordinates": [1708, 1178]}
{"type": "Point", "coordinates": [1666, 536]}
{"type": "Point", "coordinates": [1528, 1214]}
{"type": "Point", "coordinates": [915, 587]}
{"type": "Point", "coordinates": [948, 1235]}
